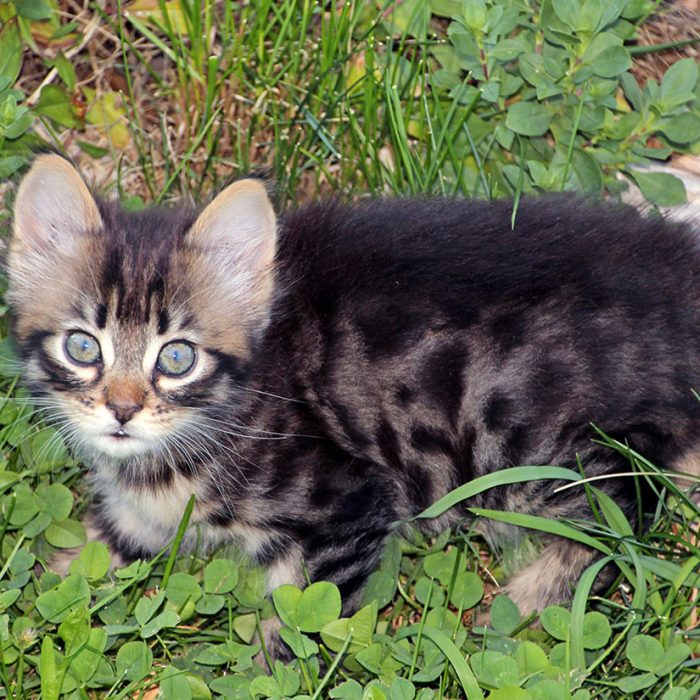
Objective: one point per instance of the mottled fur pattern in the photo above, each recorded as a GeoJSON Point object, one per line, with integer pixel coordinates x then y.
{"type": "Point", "coordinates": [353, 363]}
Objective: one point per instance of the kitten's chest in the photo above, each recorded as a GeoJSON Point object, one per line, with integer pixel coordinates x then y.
{"type": "Point", "coordinates": [152, 516]}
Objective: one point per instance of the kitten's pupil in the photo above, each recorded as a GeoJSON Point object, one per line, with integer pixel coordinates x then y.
{"type": "Point", "coordinates": [82, 348]}
{"type": "Point", "coordinates": [176, 358]}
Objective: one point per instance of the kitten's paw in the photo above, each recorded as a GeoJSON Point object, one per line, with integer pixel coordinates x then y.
{"type": "Point", "coordinates": [272, 643]}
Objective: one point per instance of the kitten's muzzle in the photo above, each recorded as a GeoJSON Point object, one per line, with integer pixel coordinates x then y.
{"type": "Point", "coordinates": [124, 399]}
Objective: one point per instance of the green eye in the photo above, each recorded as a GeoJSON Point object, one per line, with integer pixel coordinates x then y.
{"type": "Point", "coordinates": [176, 359]}
{"type": "Point", "coordinates": [82, 348]}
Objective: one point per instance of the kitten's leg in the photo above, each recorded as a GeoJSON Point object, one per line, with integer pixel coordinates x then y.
{"type": "Point", "coordinates": [552, 577]}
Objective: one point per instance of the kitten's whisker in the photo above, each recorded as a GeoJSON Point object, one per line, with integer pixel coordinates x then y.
{"type": "Point", "coordinates": [268, 393]}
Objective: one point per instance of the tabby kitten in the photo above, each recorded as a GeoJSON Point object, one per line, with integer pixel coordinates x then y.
{"type": "Point", "coordinates": [317, 379]}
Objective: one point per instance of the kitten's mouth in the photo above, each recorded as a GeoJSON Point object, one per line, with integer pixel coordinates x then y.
{"type": "Point", "coordinates": [120, 434]}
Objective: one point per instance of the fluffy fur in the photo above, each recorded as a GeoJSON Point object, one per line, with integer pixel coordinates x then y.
{"type": "Point", "coordinates": [352, 363]}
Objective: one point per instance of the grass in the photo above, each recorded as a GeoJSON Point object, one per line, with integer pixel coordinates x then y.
{"type": "Point", "coordinates": [323, 101]}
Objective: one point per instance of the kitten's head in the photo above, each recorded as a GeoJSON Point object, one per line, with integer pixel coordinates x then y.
{"type": "Point", "coordinates": [136, 328]}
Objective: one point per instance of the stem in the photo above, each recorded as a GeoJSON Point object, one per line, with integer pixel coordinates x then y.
{"type": "Point", "coordinates": [177, 541]}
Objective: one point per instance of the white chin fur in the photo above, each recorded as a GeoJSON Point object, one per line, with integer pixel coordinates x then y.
{"type": "Point", "coordinates": [120, 448]}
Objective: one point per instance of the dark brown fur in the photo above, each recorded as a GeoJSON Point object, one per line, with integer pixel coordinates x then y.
{"type": "Point", "coordinates": [394, 350]}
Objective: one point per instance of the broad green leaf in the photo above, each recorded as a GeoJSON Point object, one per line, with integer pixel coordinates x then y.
{"type": "Point", "coordinates": [662, 189]}
{"type": "Point", "coordinates": [635, 683]}
{"type": "Point", "coordinates": [510, 692]}
{"type": "Point", "coordinates": [26, 505]}
{"type": "Point", "coordinates": [284, 682]}
{"type": "Point", "coordinates": [33, 9]}
{"type": "Point", "coordinates": [220, 576]}
{"type": "Point", "coordinates": [380, 587]}
{"type": "Point", "coordinates": [596, 630]}
{"type": "Point", "coordinates": [66, 535]}
{"type": "Point", "coordinates": [548, 690]}
{"type": "Point", "coordinates": [56, 604]}
{"type": "Point", "coordinates": [505, 615]}
{"type": "Point", "coordinates": [445, 8]}
{"type": "Point", "coordinates": [8, 598]}
{"type": "Point", "coordinates": [7, 479]}
{"type": "Point", "coordinates": [644, 652]}
{"type": "Point", "coordinates": [587, 170]}
{"type": "Point", "coordinates": [680, 693]}
{"type": "Point", "coordinates": [56, 499]}
{"type": "Point", "coordinates": [567, 12]}
{"type": "Point", "coordinates": [632, 91]}
{"type": "Point", "coordinates": [174, 684]}
{"type": "Point", "coordinates": [85, 664]}
{"type": "Point", "coordinates": [134, 661]}
{"type": "Point", "coordinates": [22, 561]}
{"type": "Point", "coordinates": [65, 70]}
{"type": "Point", "coordinates": [210, 604]}
{"type": "Point", "coordinates": [494, 669]}
{"type": "Point", "coordinates": [528, 119]}
{"type": "Point", "coordinates": [611, 62]}
{"type": "Point", "coordinates": [468, 590]}
{"type": "Point", "coordinates": [530, 658]}
{"type": "Point", "coordinates": [319, 604]}
{"type": "Point", "coordinates": [233, 687]}
{"type": "Point", "coordinates": [429, 590]}
{"type": "Point", "coordinates": [182, 588]}
{"type": "Point", "coordinates": [10, 54]}
{"type": "Point", "coordinates": [75, 630]}
{"type": "Point", "coordinates": [402, 689]}
{"type": "Point", "coordinates": [606, 56]}
{"type": "Point", "coordinates": [555, 621]}
{"type": "Point", "coordinates": [302, 646]}
{"type": "Point", "coordinates": [168, 618]}
{"type": "Point", "coordinates": [678, 83]}
{"type": "Point", "coordinates": [442, 565]}
{"type": "Point", "coordinates": [147, 606]}
{"type": "Point", "coordinates": [286, 599]}
{"type": "Point", "coordinates": [474, 15]}
{"type": "Point", "coordinates": [671, 659]}
{"type": "Point", "coordinates": [244, 627]}
{"type": "Point", "coordinates": [681, 128]}
{"type": "Point", "coordinates": [92, 562]}
{"type": "Point", "coordinates": [56, 104]}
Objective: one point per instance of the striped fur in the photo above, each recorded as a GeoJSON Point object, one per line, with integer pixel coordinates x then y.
{"type": "Point", "coordinates": [353, 363]}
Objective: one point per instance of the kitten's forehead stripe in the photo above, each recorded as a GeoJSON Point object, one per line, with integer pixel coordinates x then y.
{"type": "Point", "coordinates": [163, 321]}
{"type": "Point", "coordinates": [141, 248]}
{"type": "Point", "coordinates": [101, 316]}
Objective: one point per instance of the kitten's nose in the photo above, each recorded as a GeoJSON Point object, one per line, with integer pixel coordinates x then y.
{"type": "Point", "coordinates": [124, 411]}
{"type": "Point", "coordinates": [125, 398]}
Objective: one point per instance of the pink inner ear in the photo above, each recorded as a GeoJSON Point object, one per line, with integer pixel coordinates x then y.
{"type": "Point", "coordinates": [53, 204]}
{"type": "Point", "coordinates": [240, 219]}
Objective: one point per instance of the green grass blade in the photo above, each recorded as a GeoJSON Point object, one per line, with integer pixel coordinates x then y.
{"type": "Point", "coordinates": [535, 522]}
{"type": "Point", "coordinates": [454, 656]}
{"type": "Point", "coordinates": [503, 477]}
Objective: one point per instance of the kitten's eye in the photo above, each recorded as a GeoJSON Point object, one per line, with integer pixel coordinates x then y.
{"type": "Point", "coordinates": [176, 359]}
{"type": "Point", "coordinates": [82, 348]}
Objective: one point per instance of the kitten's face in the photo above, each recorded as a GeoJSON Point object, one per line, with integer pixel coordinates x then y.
{"type": "Point", "coordinates": [136, 329]}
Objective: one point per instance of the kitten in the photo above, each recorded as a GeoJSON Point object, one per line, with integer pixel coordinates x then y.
{"type": "Point", "coordinates": [317, 379]}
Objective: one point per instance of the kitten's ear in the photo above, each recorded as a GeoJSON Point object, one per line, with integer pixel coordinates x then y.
{"type": "Point", "coordinates": [236, 237]}
{"type": "Point", "coordinates": [241, 221]}
{"type": "Point", "coordinates": [53, 205]}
